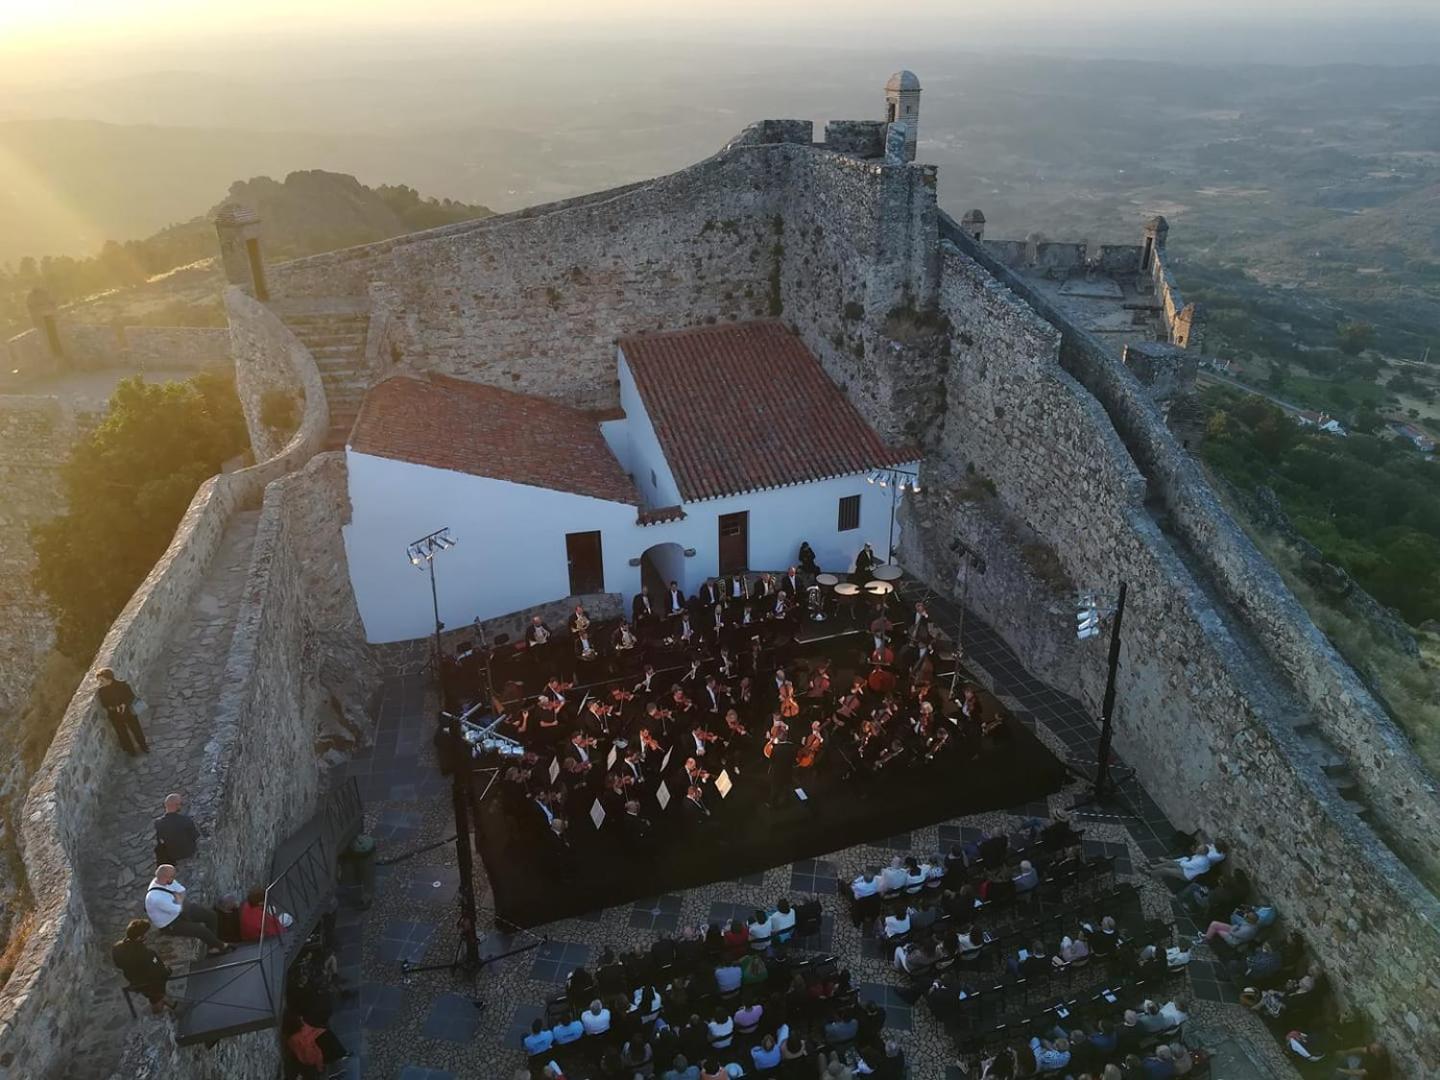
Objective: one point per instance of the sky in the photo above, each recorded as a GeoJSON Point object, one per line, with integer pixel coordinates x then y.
{"type": "Point", "coordinates": [32, 25]}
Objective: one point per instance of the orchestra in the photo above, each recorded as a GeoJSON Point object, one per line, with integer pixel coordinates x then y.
{"type": "Point", "coordinates": [689, 694]}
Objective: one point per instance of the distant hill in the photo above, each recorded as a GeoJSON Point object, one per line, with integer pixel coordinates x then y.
{"type": "Point", "coordinates": [308, 212]}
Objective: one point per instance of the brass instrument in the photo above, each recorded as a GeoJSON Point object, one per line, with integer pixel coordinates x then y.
{"type": "Point", "coordinates": [581, 621]}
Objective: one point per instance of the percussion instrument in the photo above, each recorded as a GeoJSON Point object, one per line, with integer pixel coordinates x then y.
{"type": "Point", "coordinates": [879, 588]}
{"type": "Point", "coordinates": [847, 588]}
{"type": "Point", "coordinates": [813, 602]}
{"type": "Point", "coordinates": [827, 580]}
{"type": "Point", "coordinates": [887, 573]}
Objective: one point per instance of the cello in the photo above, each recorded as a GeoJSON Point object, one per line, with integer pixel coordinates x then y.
{"type": "Point", "coordinates": [810, 747]}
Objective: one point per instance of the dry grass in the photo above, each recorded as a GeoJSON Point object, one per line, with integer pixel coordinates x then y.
{"type": "Point", "coordinates": [20, 932]}
{"type": "Point", "coordinates": [54, 686]}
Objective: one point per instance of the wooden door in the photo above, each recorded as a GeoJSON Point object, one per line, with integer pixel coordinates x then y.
{"type": "Point", "coordinates": [587, 565]}
{"type": "Point", "coordinates": [734, 542]}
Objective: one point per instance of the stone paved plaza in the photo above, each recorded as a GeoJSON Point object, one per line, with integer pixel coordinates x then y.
{"type": "Point", "coordinates": [424, 1027]}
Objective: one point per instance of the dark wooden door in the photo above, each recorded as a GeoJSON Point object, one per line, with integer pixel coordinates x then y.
{"type": "Point", "coordinates": [587, 566]}
{"type": "Point", "coordinates": [734, 542]}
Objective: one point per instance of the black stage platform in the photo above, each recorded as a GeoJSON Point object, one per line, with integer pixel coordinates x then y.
{"type": "Point", "coordinates": [533, 884]}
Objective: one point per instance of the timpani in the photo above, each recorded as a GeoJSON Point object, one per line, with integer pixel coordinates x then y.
{"type": "Point", "coordinates": [887, 573]}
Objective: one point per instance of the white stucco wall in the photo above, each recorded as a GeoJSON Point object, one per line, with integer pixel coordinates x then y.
{"type": "Point", "coordinates": [510, 552]}
{"type": "Point", "coordinates": [641, 447]}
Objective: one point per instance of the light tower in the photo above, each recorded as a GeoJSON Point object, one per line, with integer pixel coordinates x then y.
{"type": "Point", "coordinates": [902, 106]}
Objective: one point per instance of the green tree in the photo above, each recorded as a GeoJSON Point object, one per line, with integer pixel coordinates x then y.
{"type": "Point", "coordinates": [1354, 337]}
{"type": "Point", "coordinates": [127, 485]}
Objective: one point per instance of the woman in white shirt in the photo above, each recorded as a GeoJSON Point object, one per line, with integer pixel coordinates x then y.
{"type": "Point", "coordinates": [759, 930]}
{"type": "Point", "coordinates": [721, 1030]}
{"type": "Point", "coordinates": [896, 925]}
{"type": "Point", "coordinates": [782, 921]}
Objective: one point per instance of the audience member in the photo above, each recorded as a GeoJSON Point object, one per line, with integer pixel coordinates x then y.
{"type": "Point", "coordinates": [176, 836]}
{"type": "Point", "coordinates": [142, 967]}
{"type": "Point", "coordinates": [173, 915]}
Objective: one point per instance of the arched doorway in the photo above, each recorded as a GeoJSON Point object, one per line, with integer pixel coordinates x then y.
{"type": "Point", "coordinates": [660, 565]}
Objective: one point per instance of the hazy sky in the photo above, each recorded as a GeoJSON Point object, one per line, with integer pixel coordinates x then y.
{"type": "Point", "coordinates": [28, 24]}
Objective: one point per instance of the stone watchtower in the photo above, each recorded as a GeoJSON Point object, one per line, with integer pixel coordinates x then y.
{"type": "Point", "coordinates": [973, 225]}
{"type": "Point", "coordinates": [1156, 230]}
{"type": "Point", "coordinates": [238, 228]}
{"type": "Point", "coordinates": [902, 107]}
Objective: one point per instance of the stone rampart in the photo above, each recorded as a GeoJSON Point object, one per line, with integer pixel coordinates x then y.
{"type": "Point", "coordinates": [1401, 793]}
{"type": "Point", "coordinates": [90, 347]}
{"type": "Point", "coordinates": [269, 358]}
{"type": "Point", "coordinates": [39, 1008]}
{"type": "Point", "coordinates": [1203, 722]}
{"type": "Point", "coordinates": [862, 138]}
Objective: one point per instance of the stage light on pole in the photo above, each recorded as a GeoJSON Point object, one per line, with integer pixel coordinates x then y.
{"type": "Point", "coordinates": [898, 482]}
{"type": "Point", "coordinates": [1088, 620]}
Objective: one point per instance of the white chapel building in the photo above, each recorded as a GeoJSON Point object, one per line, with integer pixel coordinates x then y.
{"type": "Point", "coordinates": [733, 447]}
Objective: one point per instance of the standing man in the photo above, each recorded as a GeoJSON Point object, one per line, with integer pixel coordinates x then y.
{"type": "Point", "coordinates": [118, 701]}
{"type": "Point", "coordinates": [864, 564]}
{"type": "Point", "coordinates": [176, 836]}
{"type": "Point", "coordinates": [175, 916]}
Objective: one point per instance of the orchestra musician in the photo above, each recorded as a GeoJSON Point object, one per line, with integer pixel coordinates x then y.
{"type": "Point", "coordinates": [686, 633]}
{"type": "Point", "coordinates": [699, 739]}
{"type": "Point", "coordinates": [810, 747]}
{"type": "Point", "coordinates": [643, 687]}
{"type": "Point", "coordinates": [790, 585]}
{"type": "Point", "coordinates": [736, 739]}
{"type": "Point", "coordinates": [712, 698]}
{"type": "Point", "coordinates": [597, 717]}
{"type": "Point", "coordinates": [579, 621]}
{"type": "Point", "coordinates": [674, 600]}
{"type": "Point", "coordinates": [737, 591]}
{"type": "Point", "coordinates": [642, 610]}
{"type": "Point", "coordinates": [624, 639]}
{"type": "Point", "coordinates": [584, 647]}
{"type": "Point", "coordinates": [864, 564]}
{"type": "Point", "coordinates": [781, 752]}
{"type": "Point", "coordinates": [789, 708]}
{"type": "Point", "coordinates": [709, 594]}
{"type": "Point", "coordinates": [552, 697]}
{"type": "Point", "coordinates": [807, 559]}
{"type": "Point", "coordinates": [725, 664]}
{"type": "Point", "coordinates": [919, 624]}
{"type": "Point", "coordinates": [882, 678]}
{"type": "Point", "coordinates": [717, 623]}
{"type": "Point", "coordinates": [537, 639]}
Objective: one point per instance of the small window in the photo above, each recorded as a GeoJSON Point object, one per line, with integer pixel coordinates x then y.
{"type": "Point", "coordinates": [849, 513]}
{"type": "Point", "coordinates": [653, 482]}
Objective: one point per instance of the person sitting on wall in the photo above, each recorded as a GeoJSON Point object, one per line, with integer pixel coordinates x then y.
{"type": "Point", "coordinates": [141, 965]}
{"type": "Point", "coordinates": [256, 918]}
{"type": "Point", "coordinates": [174, 915]}
{"type": "Point", "coordinates": [123, 709]}
{"type": "Point", "coordinates": [1189, 867]}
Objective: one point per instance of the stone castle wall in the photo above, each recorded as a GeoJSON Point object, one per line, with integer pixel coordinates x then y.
{"type": "Point", "coordinates": [1200, 720]}
{"type": "Point", "coordinates": [90, 347]}
{"type": "Point", "coordinates": [39, 1008]}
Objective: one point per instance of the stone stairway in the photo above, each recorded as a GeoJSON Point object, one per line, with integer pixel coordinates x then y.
{"type": "Point", "coordinates": [337, 342]}
{"type": "Point", "coordinates": [182, 693]}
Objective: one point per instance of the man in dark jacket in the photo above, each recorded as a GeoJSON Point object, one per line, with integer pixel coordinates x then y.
{"type": "Point", "coordinates": [176, 836]}
{"type": "Point", "coordinates": [118, 701]}
{"type": "Point", "coordinates": [141, 965]}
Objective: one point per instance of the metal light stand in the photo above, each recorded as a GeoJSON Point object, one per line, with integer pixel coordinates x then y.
{"type": "Point", "coordinates": [968, 558]}
{"type": "Point", "coordinates": [898, 481]}
{"type": "Point", "coordinates": [1103, 794]}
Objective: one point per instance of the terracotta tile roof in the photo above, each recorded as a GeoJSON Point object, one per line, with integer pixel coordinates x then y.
{"type": "Point", "coordinates": [659, 515]}
{"type": "Point", "coordinates": [746, 406]}
{"type": "Point", "coordinates": [486, 431]}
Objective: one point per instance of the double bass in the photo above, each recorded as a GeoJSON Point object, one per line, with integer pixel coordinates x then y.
{"type": "Point", "coordinates": [882, 679]}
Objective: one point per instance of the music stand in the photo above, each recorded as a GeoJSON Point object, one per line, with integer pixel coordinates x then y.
{"type": "Point", "coordinates": [554, 769]}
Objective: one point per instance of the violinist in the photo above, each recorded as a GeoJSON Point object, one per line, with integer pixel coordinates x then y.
{"type": "Point", "coordinates": [699, 739]}
{"type": "Point", "coordinates": [649, 749]}
{"type": "Point", "coordinates": [580, 749]}
{"type": "Point", "coordinates": [657, 718]}
{"type": "Point", "coordinates": [680, 704]}
{"type": "Point", "coordinates": [744, 697]}
{"type": "Point", "coordinates": [735, 738]}
{"type": "Point", "coordinates": [597, 718]}
{"type": "Point", "coordinates": [643, 687]}
{"type": "Point", "coordinates": [712, 697]}
{"type": "Point", "coordinates": [726, 665]}
{"type": "Point", "coordinates": [939, 739]}
{"type": "Point", "coordinates": [620, 703]}
{"type": "Point", "coordinates": [695, 776]}
{"type": "Point", "coordinates": [552, 697]}
{"type": "Point", "coordinates": [633, 764]}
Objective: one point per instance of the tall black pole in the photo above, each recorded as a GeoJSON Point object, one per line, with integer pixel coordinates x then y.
{"type": "Point", "coordinates": [460, 796]}
{"type": "Point", "coordinates": [890, 536]}
{"type": "Point", "coordinates": [1107, 706]}
{"type": "Point", "coordinates": [435, 605]}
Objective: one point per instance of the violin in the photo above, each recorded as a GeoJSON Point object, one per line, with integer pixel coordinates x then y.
{"type": "Point", "coordinates": [650, 742]}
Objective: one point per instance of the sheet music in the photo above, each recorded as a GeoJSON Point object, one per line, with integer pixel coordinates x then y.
{"type": "Point", "coordinates": [597, 814]}
{"type": "Point", "coordinates": [662, 795]}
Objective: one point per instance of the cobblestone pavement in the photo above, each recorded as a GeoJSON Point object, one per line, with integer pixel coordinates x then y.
{"type": "Point", "coordinates": [424, 1027]}
{"type": "Point", "coordinates": [181, 698]}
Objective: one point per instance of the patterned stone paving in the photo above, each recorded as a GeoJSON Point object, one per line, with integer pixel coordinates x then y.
{"type": "Point", "coordinates": [181, 701]}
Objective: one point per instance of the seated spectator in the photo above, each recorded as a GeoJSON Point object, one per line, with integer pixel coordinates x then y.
{"type": "Point", "coordinates": [842, 1028]}
{"type": "Point", "coordinates": [1263, 964]}
{"type": "Point", "coordinates": [1076, 948]}
{"type": "Point", "coordinates": [960, 904]}
{"type": "Point", "coordinates": [1298, 1043]}
{"type": "Point", "coordinates": [747, 1017]}
{"type": "Point", "coordinates": [887, 1062]}
{"type": "Point", "coordinates": [1102, 1039]}
{"type": "Point", "coordinates": [994, 849]}
{"type": "Point", "coordinates": [636, 1056]}
{"type": "Point", "coordinates": [998, 887]}
{"type": "Point", "coordinates": [1107, 941]}
{"type": "Point", "coordinates": [895, 925]}
{"type": "Point", "coordinates": [1200, 861]}
{"type": "Point", "coordinates": [1370, 1062]}
{"type": "Point", "coordinates": [735, 942]}
{"type": "Point", "coordinates": [254, 917]}
{"type": "Point", "coordinates": [913, 959]}
{"type": "Point", "coordinates": [1176, 1011]}
{"type": "Point", "coordinates": [1127, 1033]}
{"type": "Point", "coordinates": [1234, 934]}
{"type": "Point", "coordinates": [934, 868]}
{"type": "Point", "coordinates": [1031, 962]}
{"type": "Point", "coordinates": [892, 878]}
{"type": "Point", "coordinates": [782, 921]}
{"type": "Point", "coordinates": [923, 914]}
{"type": "Point", "coordinates": [753, 970]}
{"type": "Point", "coordinates": [569, 1030]}
{"type": "Point", "coordinates": [610, 975]}
{"type": "Point", "coordinates": [766, 1055]}
{"type": "Point", "coordinates": [1181, 1058]}
{"type": "Point", "coordinates": [914, 877]}
{"type": "Point", "coordinates": [681, 1069]}
{"type": "Point", "coordinates": [968, 940]}
{"type": "Point", "coordinates": [1151, 1020]}
{"type": "Point", "coordinates": [689, 949]}
{"type": "Point", "coordinates": [662, 951]}
{"type": "Point", "coordinates": [141, 965]}
{"type": "Point", "coordinates": [1027, 878]}
{"type": "Point", "coordinates": [173, 914]}
{"type": "Point", "coordinates": [759, 931]}
{"type": "Point", "coordinates": [1160, 1065]}
{"type": "Point", "coordinates": [1050, 1056]}
{"type": "Point", "coordinates": [864, 885]}
{"type": "Point", "coordinates": [721, 1029]}
{"type": "Point", "coordinates": [794, 1047]}
{"type": "Point", "coordinates": [646, 1003]}
{"type": "Point", "coordinates": [540, 1040]}
{"type": "Point", "coordinates": [596, 1019]}
{"type": "Point", "coordinates": [728, 978]}
{"type": "Point", "coordinates": [1268, 1004]}
{"type": "Point", "coordinates": [712, 1069]}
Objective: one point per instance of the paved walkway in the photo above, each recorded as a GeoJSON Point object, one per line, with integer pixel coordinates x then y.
{"type": "Point", "coordinates": [181, 696]}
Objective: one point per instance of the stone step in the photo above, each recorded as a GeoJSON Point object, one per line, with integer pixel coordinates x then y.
{"type": "Point", "coordinates": [322, 341]}
{"type": "Point", "coordinates": [328, 318]}
{"type": "Point", "coordinates": [317, 351]}
{"type": "Point", "coordinates": [346, 364]}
